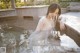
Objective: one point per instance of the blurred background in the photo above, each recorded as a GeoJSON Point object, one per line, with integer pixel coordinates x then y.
{"type": "Point", "coordinates": [7, 4]}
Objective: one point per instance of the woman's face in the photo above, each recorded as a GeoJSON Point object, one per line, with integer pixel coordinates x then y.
{"type": "Point", "coordinates": [54, 14]}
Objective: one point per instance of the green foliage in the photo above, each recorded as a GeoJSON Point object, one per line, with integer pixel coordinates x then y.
{"type": "Point", "coordinates": [50, 1]}
{"type": "Point", "coordinates": [70, 0]}
{"type": "Point", "coordinates": [4, 4]}
{"type": "Point", "coordinates": [5, 1]}
{"type": "Point", "coordinates": [64, 4]}
{"type": "Point", "coordinates": [19, 4]}
{"type": "Point", "coordinates": [17, 1]}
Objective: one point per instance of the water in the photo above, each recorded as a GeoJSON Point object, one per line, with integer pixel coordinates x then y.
{"type": "Point", "coordinates": [10, 37]}
{"type": "Point", "coordinates": [15, 40]}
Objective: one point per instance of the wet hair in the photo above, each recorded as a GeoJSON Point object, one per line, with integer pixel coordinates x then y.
{"type": "Point", "coordinates": [53, 7]}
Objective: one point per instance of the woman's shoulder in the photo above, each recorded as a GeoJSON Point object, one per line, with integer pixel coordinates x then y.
{"type": "Point", "coordinates": [43, 18]}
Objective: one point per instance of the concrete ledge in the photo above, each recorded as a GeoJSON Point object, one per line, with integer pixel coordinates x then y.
{"type": "Point", "coordinates": [34, 11]}
{"type": "Point", "coordinates": [73, 25]}
{"type": "Point", "coordinates": [35, 6]}
{"type": "Point", "coordinates": [73, 34]}
{"type": "Point", "coordinates": [2, 10]}
{"type": "Point", "coordinates": [7, 13]}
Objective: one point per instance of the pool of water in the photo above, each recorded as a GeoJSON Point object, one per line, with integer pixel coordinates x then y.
{"type": "Point", "coordinates": [14, 39]}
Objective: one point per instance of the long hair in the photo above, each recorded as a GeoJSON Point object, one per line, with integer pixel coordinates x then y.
{"type": "Point", "coordinates": [53, 7]}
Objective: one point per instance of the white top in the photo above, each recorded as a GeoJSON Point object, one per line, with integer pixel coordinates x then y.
{"type": "Point", "coordinates": [45, 24]}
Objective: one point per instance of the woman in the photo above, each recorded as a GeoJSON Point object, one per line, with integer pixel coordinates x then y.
{"type": "Point", "coordinates": [46, 25]}
{"type": "Point", "coordinates": [49, 21]}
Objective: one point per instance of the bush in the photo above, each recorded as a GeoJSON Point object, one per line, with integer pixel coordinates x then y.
{"type": "Point", "coordinates": [5, 6]}
{"type": "Point", "coordinates": [64, 4]}
{"type": "Point", "coordinates": [2, 5]}
{"type": "Point", "coordinates": [19, 4]}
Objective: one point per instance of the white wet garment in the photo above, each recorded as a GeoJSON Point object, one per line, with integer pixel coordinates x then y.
{"type": "Point", "coordinates": [45, 24]}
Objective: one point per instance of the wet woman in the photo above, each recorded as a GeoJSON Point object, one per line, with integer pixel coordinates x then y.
{"type": "Point", "coordinates": [48, 22]}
